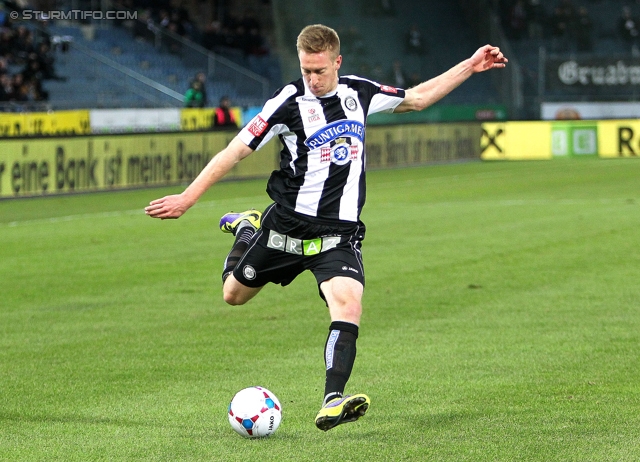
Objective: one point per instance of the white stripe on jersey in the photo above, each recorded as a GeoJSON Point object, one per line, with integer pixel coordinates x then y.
{"type": "Point", "coordinates": [267, 111]}
{"type": "Point", "coordinates": [277, 129]}
{"type": "Point", "coordinates": [290, 143]}
{"type": "Point", "coordinates": [317, 172]}
{"type": "Point", "coordinates": [351, 191]}
{"type": "Point", "coordinates": [379, 102]}
{"type": "Point", "coordinates": [323, 147]}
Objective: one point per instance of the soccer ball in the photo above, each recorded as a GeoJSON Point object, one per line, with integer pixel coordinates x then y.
{"type": "Point", "coordinates": [255, 412]}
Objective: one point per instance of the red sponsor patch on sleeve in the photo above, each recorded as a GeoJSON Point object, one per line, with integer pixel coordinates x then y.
{"type": "Point", "coordinates": [257, 126]}
{"type": "Point", "coordinates": [388, 89]}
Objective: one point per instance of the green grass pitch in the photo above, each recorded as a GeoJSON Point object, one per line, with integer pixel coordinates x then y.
{"type": "Point", "coordinates": [501, 323]}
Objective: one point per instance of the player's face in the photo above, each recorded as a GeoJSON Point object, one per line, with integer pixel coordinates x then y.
{"type": "Point", "coordinates": [320, 71]}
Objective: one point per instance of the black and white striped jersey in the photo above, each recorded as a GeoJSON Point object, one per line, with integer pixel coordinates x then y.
{"type": "Point", "coordinates": [322, 162]}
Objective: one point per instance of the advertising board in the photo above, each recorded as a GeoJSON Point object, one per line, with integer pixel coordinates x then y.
{"type": "Point", "coordinates": [30, 167]}
{"type": "Point", "coordinates": [58, 123]}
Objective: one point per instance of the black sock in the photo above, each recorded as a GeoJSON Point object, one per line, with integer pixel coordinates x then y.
{"type": "Point", "coordinates": [243, 237]}
{"type": "Point", "coordinates": [339, 356]}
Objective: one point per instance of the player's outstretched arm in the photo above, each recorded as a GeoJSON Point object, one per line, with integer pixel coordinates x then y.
{"type": "Point", "coordinates": [176, 205]}
{"type": "Point", "coordinates": [431, 91]}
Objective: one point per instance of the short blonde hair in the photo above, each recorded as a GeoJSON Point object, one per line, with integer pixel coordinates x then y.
{"type": "Point", "coordinates": [318, 38]}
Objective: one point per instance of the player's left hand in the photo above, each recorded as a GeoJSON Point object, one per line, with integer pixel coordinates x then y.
{"type": "Point", "coordinates": [488, 57]}
{"type": "Point", "coordinates": [167, 207]}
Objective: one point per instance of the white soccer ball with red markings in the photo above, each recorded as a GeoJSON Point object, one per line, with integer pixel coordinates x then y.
{"type": "Point", "coordinates": [255, 412]}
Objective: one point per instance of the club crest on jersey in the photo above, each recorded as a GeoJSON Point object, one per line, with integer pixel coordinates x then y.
{"type": "Point", "coordinates": [341, 153]}
{"type": "Point", "coordinates": [350, 103]}
{"type": "Point", "coordinates": [335, 130]}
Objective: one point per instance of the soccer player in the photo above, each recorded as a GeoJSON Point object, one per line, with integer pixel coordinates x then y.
{"type": "Point", "coordinates": [318, 193]}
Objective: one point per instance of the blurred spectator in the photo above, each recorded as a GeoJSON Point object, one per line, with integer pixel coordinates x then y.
{"type": "Point", "coordinates": [568, 9]}
{"type": "Point", "coordinates": [536, 18]}
{"type": "Point", "coordinates": [222, 116]}
{"type": "Point", "coordinates": [19, 46]}
{"type": "Point", "coordinates": [584, 30]}
{"type": "Point", "coordinates": [20, 88]}
{"type": "Point", "coordinates": [194, 97]}
{"type": "Point", "coordinates": [414, 43]}
{"type": "Point", "coordinates": [22, 43]}
{"type": "Point", "coordinates": [6, 88]}
{"type": "Point", "coordinates": [628, 27]}
{"type": "Point", "coordinates": [517, 21]}
{"type": "Point", "coordinates": [61, 42]}
{"type": "Point", "coordinates": [163, 18]}
{"type": "Point", "coordinates": [173, 19]}
{"type": "Point", "coordinates": [6, 37]}
{"type": "Point", "coordinates": [379, 8]}
{"type": "Point", "coordinates": [32, 70]}
{"type": "Point", "coordinates": [255, 44]}
{"type": "Point", "coordinates": [241, 40]}
{"type": "Point", "coordinates": [377, 73]}
{"type": "Point", "coordinates": [561, 24]}
{"type": "Point", "coordinates": [567, 114]}
{"type": "Point", "coordinates": [202, 78]}
{"type": "Point", "coordinates": [414, 79]}
{"type": "Point", "coordinates": [397, 77]}
{"type": "Point", "coordinates": [249, 20]}
{"type": "Point", "coordinates": [236, 38]}
{"type": "Point", "coordinates": [46, 60]}
{"type": "Point", "coordinates": [212, 36]}
{"type": "Point", "coordinates": [352, 41]}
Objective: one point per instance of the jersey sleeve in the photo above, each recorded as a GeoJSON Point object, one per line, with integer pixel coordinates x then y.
{"type": "Point", "coordinates": [271, 121]}
{"type": "Point", "coordinates": [386, 99]}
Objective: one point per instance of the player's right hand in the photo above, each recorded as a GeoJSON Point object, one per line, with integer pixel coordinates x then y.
{"type": "Point", "coordinates": [167, 207]}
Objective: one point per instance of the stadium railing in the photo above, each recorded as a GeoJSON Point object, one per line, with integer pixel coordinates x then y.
{"type": "Point", "coordinates": [149, 90]}
{"type": "Point", "coordinates": [249, 88]}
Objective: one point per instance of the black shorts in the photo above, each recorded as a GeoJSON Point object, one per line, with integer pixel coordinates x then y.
{"type": "Point", "coordinates": [287, 244]}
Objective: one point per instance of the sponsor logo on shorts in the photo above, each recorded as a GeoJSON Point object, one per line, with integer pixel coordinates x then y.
{"type": "Point", "coordinates": [348, 268]}
{"type": "Point", "coordinates": [305, 247]}
{"type": "Point", "coordinates": [249, 272]}
{"type": "Point", "coordinates": [257, 126]}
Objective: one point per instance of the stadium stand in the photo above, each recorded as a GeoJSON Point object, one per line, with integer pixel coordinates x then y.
{"type": "Point", "coordinates": [98, 69]}
{"type": "Point", "coordinates": [143, 63]}
{"type": "Point", "coordinates": [374, 35]}
{"type": "Point", "coordinates": [26, 63]}
{"type": "Point", "coordinates": [132, 72]}
{"type": "Point", "coordinates": [150, 62]}
{"type": "Point", "coordinates": [571, 28]}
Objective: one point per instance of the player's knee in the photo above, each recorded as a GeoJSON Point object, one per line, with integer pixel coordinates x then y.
{"type": "Point", "coordinates": [235, 293]}
{"type": "Point", "coordinates": [233, 297]}
{"type": "Point", "coordinates": [350, 310]}
{"type": "Point", "coordinates": [354, 308]}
